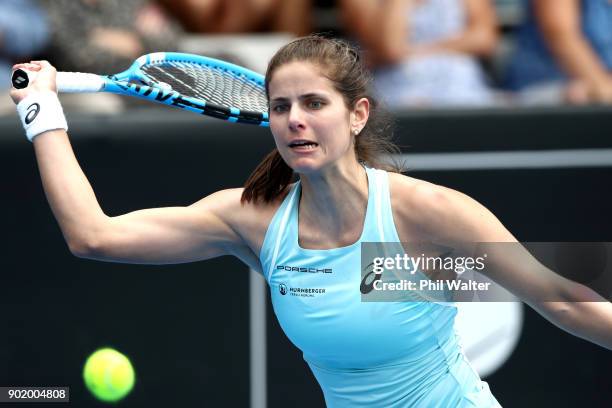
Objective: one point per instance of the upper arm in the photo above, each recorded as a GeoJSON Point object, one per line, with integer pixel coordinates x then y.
{"type": "Point", "coordinates": [171, 235]}
{"type": "Point", "coordinates": [453, 216]}
{"type": "Point", "coordinates": [481, 13]}
{"type": "Point", "coordinates": [353, 12]}
{"type": "Point", "coordinates": [482, 22]}
{"type": "Point", "coordinates": [356, 15]}
{"type": "Point", "coordinates": [383, 43]}
{"type": "Point", "coordinates": [452, 219]}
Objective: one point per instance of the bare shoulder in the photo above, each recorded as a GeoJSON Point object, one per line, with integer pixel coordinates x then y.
{"type": "Point", "coordinates": [248, 220]}
{"type": "Point", "coordinates": [424, 210]}
{"type": "Point", "coordinates": [410, 198]}
{"type": "Point", "coordinates": [415, 198]}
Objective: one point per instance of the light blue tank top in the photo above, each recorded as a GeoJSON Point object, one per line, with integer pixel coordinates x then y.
{"type": "Point", "coordinates": [364, 354]}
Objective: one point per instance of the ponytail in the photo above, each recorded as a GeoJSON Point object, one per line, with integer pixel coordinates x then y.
{"type": "Point", "coordinates": [269, 179]}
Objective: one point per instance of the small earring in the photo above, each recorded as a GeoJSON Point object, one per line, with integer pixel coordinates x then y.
{"type": "Point", "coordinates": [355, 132]}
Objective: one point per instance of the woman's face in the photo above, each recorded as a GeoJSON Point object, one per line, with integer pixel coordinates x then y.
{"type": "Point", "coordinates": [309, 120]}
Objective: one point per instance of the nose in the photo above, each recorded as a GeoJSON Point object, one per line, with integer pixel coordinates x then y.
{"type": "Point", "coordinates": [296, 118]}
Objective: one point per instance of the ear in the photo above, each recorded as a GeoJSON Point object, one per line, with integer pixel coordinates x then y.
{"type": "Point", "coordinates": [359, 115]}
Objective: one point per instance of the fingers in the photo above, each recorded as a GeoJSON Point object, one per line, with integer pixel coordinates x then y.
{"type": "Point", "coordinates": [27, 67]}
{"type": "Point", "coordinates": [33, 65]}
{"type": "Point", "coordinates": [42, 64]}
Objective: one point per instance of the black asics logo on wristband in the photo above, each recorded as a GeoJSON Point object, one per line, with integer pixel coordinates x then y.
{"type": "Point", "coordinates": [33, 110]}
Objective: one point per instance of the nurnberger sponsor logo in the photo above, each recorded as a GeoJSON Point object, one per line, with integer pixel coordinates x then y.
{"type": "Point", "coordinates": [306, 292]}
{"type": "Point", "coordinates": [304, 269]}
{"type": "Point", "coordinates": [301, 292]}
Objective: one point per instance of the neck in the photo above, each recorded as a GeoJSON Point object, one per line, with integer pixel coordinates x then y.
{"type": "Point", "coordinates": [335, 199]}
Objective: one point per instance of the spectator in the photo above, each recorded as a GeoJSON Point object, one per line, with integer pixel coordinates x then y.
{"type": "Point", "coordinates": [564, 53]}
{"type": "Point", "coordinates": [425, 52]}
{"type": "Point", "coordinates": [105, 36]}
{"type": "Point", "coordinates": [242, 16]}
{"type": "Point", "coordinates": [23, 32]}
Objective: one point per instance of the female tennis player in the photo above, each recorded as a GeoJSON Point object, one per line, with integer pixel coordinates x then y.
{"type": "Point", "coordinates": [324, 123]}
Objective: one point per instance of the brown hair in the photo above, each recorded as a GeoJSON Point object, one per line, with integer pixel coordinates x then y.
{"type": "Point", "coordinates": [342, 65]}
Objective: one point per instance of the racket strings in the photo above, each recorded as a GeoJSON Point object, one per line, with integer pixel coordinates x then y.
{"type": "Point", "coordinates": [211, 84]}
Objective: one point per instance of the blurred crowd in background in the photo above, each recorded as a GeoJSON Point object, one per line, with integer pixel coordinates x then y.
{"type": "Point", "coordinates": [423, 53]}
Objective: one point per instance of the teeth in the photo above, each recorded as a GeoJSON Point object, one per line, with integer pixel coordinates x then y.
{"type": "Point", "coordinates": [303, 144]}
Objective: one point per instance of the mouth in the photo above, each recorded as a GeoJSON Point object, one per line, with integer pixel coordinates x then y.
{"type": "Point", "coordinates": [302, 145]}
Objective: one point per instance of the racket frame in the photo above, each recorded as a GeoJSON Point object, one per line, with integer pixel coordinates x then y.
{"type": "Point", "coordinates": [126, 83]}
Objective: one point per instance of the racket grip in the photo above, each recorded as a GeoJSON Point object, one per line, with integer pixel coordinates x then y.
{"type": "Point", "coordinates": [78, 82]}
{"type": "Point", "coordinates": [67, 82]}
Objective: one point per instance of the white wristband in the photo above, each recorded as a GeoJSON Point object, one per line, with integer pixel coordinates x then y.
{"type": "Point", "coordinates": [40, 112]}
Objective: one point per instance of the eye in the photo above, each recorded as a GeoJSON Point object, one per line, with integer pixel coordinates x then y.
{"type": "Point", "coordinates": [279, 108]}
{"type": "Point", "coordinates": [315, 104]}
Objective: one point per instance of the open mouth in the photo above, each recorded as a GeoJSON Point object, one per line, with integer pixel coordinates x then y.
{"type": "Point", "coordinates": [303, 145]}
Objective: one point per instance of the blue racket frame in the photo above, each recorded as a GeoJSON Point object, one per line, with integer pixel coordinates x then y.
{"type": "Point", "coordinates": [121, 84]}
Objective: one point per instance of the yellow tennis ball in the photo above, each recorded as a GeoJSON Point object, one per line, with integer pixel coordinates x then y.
{"type": "Point", "coordinates": [108, 374]}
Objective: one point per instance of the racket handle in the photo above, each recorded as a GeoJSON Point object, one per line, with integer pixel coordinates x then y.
{"type": "Point", "coordinates": [78, 82]}
{"type": "Point", "coordinates": [67, 82]}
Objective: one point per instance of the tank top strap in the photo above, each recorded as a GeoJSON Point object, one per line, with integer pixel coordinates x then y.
{"type": "Point", "coordinates": [276, 231]}
{"type": "Point", "coordinates": [386, 231]}
{"type": "Point", "coordinates": [372, 228]}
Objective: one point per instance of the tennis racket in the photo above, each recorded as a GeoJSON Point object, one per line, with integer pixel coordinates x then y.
{"type": "Point", "coordinates": [195, 83]}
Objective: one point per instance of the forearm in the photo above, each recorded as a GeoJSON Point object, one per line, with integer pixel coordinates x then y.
{"type": "Point", "coordinates": [578, 59]}
{"type": "Point", "coordinates": [391, 29]}
{"type": "Point", "coordinates": [561, 27]}
{"type": "Point", "coordinates": [593, 322]}
{"type": "Point", "coordinates": [586, 315]}
{"type": "Point", "coordinates": [589, 80]}
{"type": "Point", "coordinates": [68, 191]}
